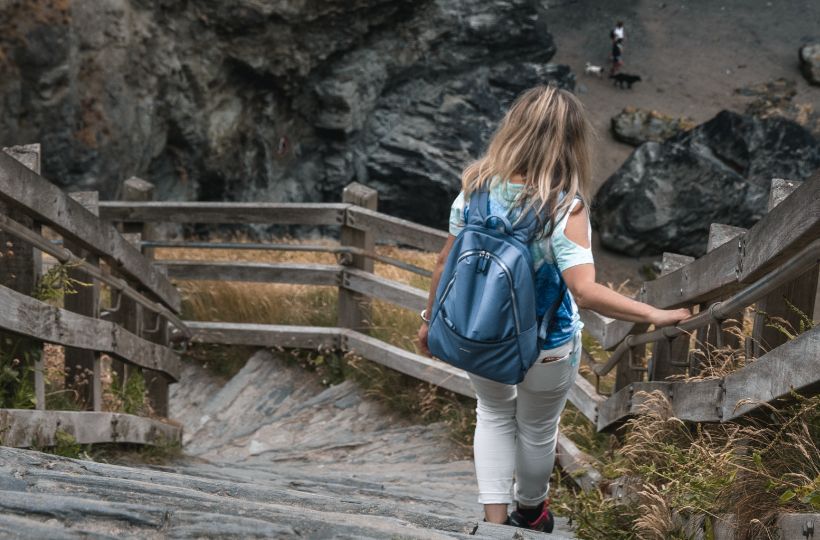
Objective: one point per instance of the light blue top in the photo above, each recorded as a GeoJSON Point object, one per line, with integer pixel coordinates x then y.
{"type": "Point", "coordinates": [551, 255]}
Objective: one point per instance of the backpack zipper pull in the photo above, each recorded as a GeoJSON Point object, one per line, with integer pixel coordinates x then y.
{"type": "Point", "coordinates": [483, 262]}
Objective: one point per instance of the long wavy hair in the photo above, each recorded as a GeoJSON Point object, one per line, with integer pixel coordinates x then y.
{"type": "Point", "coordinates": [544, 137]}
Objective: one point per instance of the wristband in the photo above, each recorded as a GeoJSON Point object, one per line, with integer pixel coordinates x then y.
{"type": "Point", "coordinates": [424, 316]}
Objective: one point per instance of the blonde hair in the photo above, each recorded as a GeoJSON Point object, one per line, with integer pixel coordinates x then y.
{"type": "Point", "coordinates": [544, 137]}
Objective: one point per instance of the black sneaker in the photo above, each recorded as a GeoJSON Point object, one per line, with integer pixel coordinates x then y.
{"type": "Point", "coordinates": [544, 522]}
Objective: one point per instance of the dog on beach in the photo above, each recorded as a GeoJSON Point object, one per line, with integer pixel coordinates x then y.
{"type": "Point", "coordinates": [593, 70]}
{"type": "Point", "coordinates": [622, 80]}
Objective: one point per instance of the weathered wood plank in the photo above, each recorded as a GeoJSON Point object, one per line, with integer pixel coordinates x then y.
{"type": "Point", "coordinates": [27, 428]}
{"type": "Point", "coordinates": [304, 274]}
{"type": "Point", "coordinates": [624, 402]}
{"type": "Point", "coordinates": [790, 301]}
{"type": "Point", "coordinates": [221, 212]}
{"type": "Point", "coordinates": [578, 465]}
{"type": "Point", "coordinates": [780, 234]}
{"type": "Point", "coordinates": [22, 267]}
{"type": "Point", "coordinates": [354, 309]}
{"type": "Point", "coordinates": [719, 234]}
{"type": "Point", "coordinates": [783, 231]}
{"type": "Point", "coordinates": [798, 526]}
{"type": "Point", "coordinates": [584, 397]}
{"type": "Point", "coordinates": [668, 356]}
{"type": "Point", "coordinates": [793, 366]}
{"type": "Point", "coordinates": [45, 202]}
{"type": "Point", "coordinates": [396, 230]}
{"type": "Point", "coordinates": [24, 315]}
{"type": "Point", "coordinates": [265, 335]}
{"type": "Point", "coordinates": [608, 332]}
{"type": "Point", "coordinates": [81, 366]}
{"type": "Point", "coordinates": [673, 261]}
{"type": "Point", "coordinates": [420, 367]}
{"type": "Point", "coordinates": [377, 287]}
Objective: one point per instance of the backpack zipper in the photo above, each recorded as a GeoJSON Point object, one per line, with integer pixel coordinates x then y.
{"type": "Point", "coordinates": [507, 273]}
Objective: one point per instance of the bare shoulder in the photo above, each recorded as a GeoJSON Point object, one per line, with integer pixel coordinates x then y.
{"type": "Point", "coordinates": [577, 229]}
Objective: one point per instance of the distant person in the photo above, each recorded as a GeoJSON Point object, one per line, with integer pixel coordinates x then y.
{"type": "Point", "coordinates": [618, 32]}
{"type": "Point", "coordinates": [617, 56]}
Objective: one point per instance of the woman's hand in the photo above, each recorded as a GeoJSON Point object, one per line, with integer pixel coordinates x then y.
{"type": "Point", "coordinates": [422, 339]}
{"type": "Point", "coordinates": [667, 317]}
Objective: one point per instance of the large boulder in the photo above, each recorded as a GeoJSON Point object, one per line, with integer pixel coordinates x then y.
{"type": "Point", "coordinates": [667, 194]}
{"type": "Point", "coordinates": [266, 100]}
{"type": "Point", "coordinates": [810, 62]}
{"type": "Point", "coordinates": [637, 126]}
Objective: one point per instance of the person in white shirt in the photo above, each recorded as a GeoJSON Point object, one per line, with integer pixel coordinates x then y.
{"type": "Point", "coordinates": [618, 32]}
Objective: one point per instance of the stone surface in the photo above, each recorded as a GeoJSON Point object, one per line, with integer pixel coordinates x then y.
{"type": "Point", "coordinates": [262, 100]}
{"type": "Point", "coordinates": [272, 453]}
{"type": "Point", "coordinates": [637, 126]}
{"type": "Point", "coordinates": [810, 62]}
{"type": "Point", "coordinates": [667, 194]}
{"type": "Point", "coordinates": [776, 98]}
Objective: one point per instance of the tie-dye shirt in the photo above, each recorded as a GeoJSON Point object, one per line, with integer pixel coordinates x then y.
{"type": "Point", "coordinates": [551, 256]}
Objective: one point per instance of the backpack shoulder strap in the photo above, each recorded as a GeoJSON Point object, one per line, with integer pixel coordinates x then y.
{"type": "Point", "coordinates": [478, 209]}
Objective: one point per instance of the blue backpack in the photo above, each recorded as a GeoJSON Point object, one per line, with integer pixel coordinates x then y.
{"type": "Point", "coordinates": [484, 315]}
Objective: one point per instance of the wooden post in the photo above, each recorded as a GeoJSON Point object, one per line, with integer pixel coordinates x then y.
{"type": "Point", "coordinates": [21, 269]}
{"type": "Point", "coordinates": [79, 364]}
{"type": "Point", "coordinates": [156, 384]}
{"type": "Point", "coordinates": [354, 308]}
{"type": "Point", "coordinates": [720, 234]}
{"type": "Point", "coordinates": [626, 372]}
{"type": "Point", "coordinates": [670, 356]}
{"type": "Point", "coordinates": [803, 293]}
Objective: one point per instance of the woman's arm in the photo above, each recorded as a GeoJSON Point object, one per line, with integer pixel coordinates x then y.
{"type": "Point", "coordinates": [431, 296]}
{"type": "Point", "coordinates": [593, 296]}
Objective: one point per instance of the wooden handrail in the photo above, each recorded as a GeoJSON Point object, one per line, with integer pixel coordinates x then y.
{"type": "Point", "coordinates": [65, 256]}
{"type": "Point", "coordinates": [46, 203]}
{"type": "Point", "coordinates": [791, 367]}
{"type": "Point", "coordinates": [786, 229]}
{"type": "Point", "coordinates": [225, 213]}
{"type": "Point", "coordinates": [808, 257]}
{"type": "Point", "coordinates": [27, 316]}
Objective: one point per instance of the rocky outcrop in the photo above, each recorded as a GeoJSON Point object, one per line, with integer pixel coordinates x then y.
{"type": "Point", "coordinates": [810, 62]}
{"type": "Point", "coordinates": [667, 194]}
{"type": "Point", "coordinates": [250, 100]}
{"type": "Point", "coordinates": [637, 126]}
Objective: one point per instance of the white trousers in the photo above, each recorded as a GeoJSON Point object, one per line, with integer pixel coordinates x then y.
{"type": "Point", "coordinates": [517, 428]}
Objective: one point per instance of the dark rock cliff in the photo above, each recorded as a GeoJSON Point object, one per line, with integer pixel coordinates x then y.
{"type": "Point", "coordinates": [666, 195]}
{"type": "Point", "coordinates": [267, 100]}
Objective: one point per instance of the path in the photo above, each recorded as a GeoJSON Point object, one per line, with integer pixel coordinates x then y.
{"type": "Point", "coordinates": [272, 454]}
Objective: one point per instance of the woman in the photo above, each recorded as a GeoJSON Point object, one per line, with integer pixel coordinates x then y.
{"type": "Point", "coordinates": [538, 158]}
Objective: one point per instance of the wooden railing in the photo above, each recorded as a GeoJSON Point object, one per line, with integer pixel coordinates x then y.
{"type": "Point", "coordinates": [773, 268]}
{"type": "Point", "coordinates": [133, 330]}
{"type": "Point", "coordinates": [775, 259]}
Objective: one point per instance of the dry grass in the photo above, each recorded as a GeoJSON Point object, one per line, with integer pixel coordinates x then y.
{"type": "Point", "coordinates": [752, 469]}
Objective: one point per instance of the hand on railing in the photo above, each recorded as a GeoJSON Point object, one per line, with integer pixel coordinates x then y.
{"type": "Point", "coordinates": [667, 317]}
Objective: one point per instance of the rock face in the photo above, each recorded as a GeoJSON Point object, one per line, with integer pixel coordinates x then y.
{"type": "Point", "coordinates": [637, 126]}
{"type": "Point", "coordinates": [810, 62]}
{"type": "Point", "coordinates": [267, 100]}
{"type": "Point", "coordinates": [666, 195]}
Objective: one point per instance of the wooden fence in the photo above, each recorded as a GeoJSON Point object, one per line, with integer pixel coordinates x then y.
{"type": "Point", "coordinates": [771, 268]}
{"type": "Point", "coordinates": [131, 329]}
